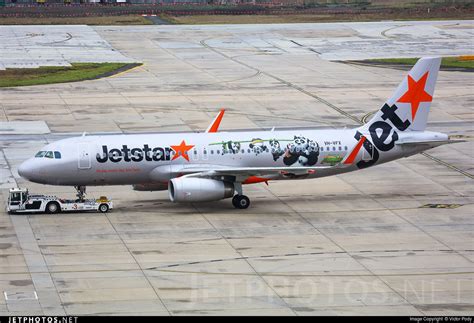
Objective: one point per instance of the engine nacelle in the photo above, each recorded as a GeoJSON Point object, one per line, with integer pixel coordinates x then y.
{"type": "Point", "coordinates": [190, 189]}
{"type": "Point", "coordinates": [150, 187]}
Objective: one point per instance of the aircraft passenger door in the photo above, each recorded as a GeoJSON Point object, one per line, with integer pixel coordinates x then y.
{"type": "Point", "coordinates": [84, 156]}
{"type": "Point", "coordinates": [367, 155]}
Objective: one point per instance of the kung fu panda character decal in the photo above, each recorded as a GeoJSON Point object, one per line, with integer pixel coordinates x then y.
{"type": "Point", "coordinates": [258, 146]}
{"type": "Point", "coordinates": [232, 147]}
{"type": "Point", "coordinates": [299, 151]}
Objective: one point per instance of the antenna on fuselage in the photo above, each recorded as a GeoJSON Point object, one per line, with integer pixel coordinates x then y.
{"type": "Point", "coordinates": [84, 134]}
{"type": "Point", "coordinates": [273, 129]}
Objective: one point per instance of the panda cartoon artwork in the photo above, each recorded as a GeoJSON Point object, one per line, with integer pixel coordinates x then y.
{"type": "Point", "coordinates": [302, 152]}
{"type": "Point", "coordinates": [258, 146]}
{"type": "Point", "coordinates": [275, 149]}
{"type": "Point", "coordinates": [230, 147]}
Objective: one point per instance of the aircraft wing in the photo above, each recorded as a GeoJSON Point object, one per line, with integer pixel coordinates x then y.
{"type": "Point", "coordinates": [240, 173]}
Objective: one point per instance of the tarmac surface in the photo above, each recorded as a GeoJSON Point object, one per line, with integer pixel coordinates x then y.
{"type": "Point", "coordinates": [33, 46]}
{"type": "Point", "coordinates": [394, 239]}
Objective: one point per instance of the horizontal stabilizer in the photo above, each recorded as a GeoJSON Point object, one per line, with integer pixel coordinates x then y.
{"type": "Point", "coordinates": [433, 143]}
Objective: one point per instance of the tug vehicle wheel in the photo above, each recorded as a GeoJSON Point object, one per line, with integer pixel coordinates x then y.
{"type": "Point", "coordinates": [52, 208]}
{"type": "Point", "coordinates": [103, 208]}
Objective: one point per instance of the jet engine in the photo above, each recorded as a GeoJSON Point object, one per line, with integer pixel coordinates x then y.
{"type": "Point", "coordinates": [189, 189]}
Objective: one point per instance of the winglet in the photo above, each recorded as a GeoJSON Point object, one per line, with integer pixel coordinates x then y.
{"type": "Point", "coordinates": [214, 126]}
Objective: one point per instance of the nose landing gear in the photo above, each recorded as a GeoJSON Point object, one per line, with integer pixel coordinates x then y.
{"type": "Point", "coordinates": [81, 193]}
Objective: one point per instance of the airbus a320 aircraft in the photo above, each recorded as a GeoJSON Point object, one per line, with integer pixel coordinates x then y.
{"type": "Point", "coordinates": [198, 167]}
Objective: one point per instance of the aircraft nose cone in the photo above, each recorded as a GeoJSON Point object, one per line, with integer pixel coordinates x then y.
{"type": "Point", "coordinates": [26, 169]}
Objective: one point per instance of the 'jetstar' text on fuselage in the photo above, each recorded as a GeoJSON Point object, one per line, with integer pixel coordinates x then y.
{"type": "Point", "coordinates": [126, 154]}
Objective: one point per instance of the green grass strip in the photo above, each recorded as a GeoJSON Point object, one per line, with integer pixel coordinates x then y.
{"type": "Point", "coordinates": [60, 74]}
{"type": "Point", "coordinates": [445, 62]}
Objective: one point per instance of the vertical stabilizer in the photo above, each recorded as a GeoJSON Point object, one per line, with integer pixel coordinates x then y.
{"type": "Point", "coordinates": [409, 106]}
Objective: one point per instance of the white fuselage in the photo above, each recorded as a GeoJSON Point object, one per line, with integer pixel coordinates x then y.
{"type": "Point", "coordinates": [150, 159]}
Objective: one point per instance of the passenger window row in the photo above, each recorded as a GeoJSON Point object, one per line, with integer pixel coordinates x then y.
{"type": "Point", "coordinates": [195, 151]}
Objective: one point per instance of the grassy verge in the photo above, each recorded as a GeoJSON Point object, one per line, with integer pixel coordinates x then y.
{"type": "Point", "coordinates": [308, 18]}
{"type": "Point", "coordinates": [246, 19]}
{"type": "Point", "coordinates": [59, 74]}
{"type": "Point", "coordinates": [447, 62]}
{"type": "Point", "coordinates": [105, 20]}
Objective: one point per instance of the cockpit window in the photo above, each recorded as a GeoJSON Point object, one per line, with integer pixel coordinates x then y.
{"type": "Point", "coordinates": [49, 154]}
{"type": "Point", "coordinates": [57, 155]}
{"type": "Point", "coordinates": [40, 154]}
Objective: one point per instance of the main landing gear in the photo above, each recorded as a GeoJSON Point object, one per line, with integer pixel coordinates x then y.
{"type": "Point", "coordinates": [240, 201]}
{"type": "Point", "coordinates": [81, 193]}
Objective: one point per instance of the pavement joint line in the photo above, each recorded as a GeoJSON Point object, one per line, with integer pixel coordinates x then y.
{"type": "Point", "coordinates": [68, 37]}
{"type": "Point", "coordinates": [294, 42]}
{"type": "Point", "coordinates": [22, 240]}
{"type": "Point", "coordinates": [454, 192]}
{"type": "Point", "coordinates": [354, 258]}
{"type": "Point", "coordinates": [287, 83]}
{"type": "Point", "coordinates": [163, 269]}
{"type": "Point", "coordinates": [139, 266]}
{"type": "Point", "coordinates": [67, 107]}
{"type": "Point", "coordinates": [393, 211]}
{"type": "Point", "coordinates": [256, 273]}
{"type": "Point", "coordinates": [384, 32]}
{"type": "Point", "coordinates": [205, 71]}
{"type": "Point", "coordinates": [430, 235]}
{"type": "Point", "coordinates": [4, 113]}
{"type": "Point", "coordinates": [299, 274]}
{"type": "Point", "coordinates": [61, 304]}
{"type": "Point", "coordinates": [9, 167]}
{"type": "Point", "coordinates": [270, 256]}
{"type": "Point", "coordinates": [442, 162]}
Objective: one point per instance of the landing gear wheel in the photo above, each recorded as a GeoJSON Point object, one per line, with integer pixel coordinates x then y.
{"type": "Point", "coordinates": [103, 208]}
{"type": "Point", "coordinates": [52, 208]}
{"type": "Point", "coordinates": [241, 202]}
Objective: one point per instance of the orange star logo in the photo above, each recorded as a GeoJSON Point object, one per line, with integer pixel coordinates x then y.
{"type": "Point", "coordinates": [415, 94]}
{"type": "Point", "coordinates": [181, 150]}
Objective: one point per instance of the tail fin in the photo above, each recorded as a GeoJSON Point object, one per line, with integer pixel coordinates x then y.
{"type": "Point", "coordinates": [412, 99]}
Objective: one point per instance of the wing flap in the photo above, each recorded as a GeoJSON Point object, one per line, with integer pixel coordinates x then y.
{"type": "Point", "coordinates": [244, 172]}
